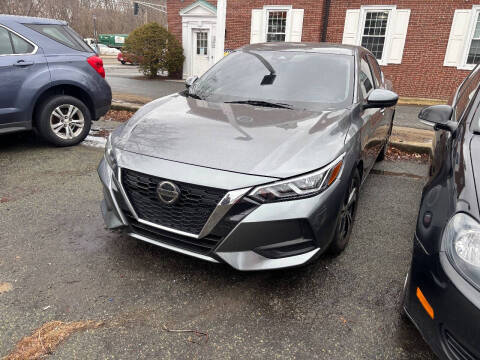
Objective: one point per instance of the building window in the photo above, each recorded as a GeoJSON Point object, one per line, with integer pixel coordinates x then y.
{"type": "Point", "coordinates": [474, 50]}
{"type": "Point", "coordinates": [375, 32]}
{"type": "Point", "coordinates": [277, 26]}
{"type": "Point", "coordinates": [202, 43]}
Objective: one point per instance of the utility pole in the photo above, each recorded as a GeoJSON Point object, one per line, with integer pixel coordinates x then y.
{"type": "Point", "coordinates": [95, 29]}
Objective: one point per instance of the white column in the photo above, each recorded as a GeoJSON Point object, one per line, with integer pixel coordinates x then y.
{"type": "Point", "coordinates": [220, 33]}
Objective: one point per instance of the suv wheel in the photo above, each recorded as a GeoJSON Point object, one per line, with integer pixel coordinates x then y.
{"type": "Point", "coordinates": [346, 216]}
{"type": "Point", "coordinates": [63, 120]}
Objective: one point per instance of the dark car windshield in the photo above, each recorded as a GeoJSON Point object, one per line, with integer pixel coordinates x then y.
{"type": "Point", "coordinates": [300, 79]}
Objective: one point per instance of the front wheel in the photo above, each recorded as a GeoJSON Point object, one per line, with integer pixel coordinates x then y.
{"type": "Point", "coordinates": [63, 120]}
{"type": "Point", "coordinates": [123, 62]}
{"type": "Point", "coordinates": [346, 217]}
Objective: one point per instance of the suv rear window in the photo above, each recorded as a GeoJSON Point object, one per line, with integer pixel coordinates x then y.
{"type": "Point", "coordinates": [62, 34]}
{"type": "Point", "coordinates": [13, 44]}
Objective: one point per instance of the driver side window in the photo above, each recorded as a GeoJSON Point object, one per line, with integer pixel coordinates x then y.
{"type": "Point", "coordinates": [365, 78]}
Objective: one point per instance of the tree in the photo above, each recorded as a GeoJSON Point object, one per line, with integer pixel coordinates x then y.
{"type": "Point", "coordinates": [156, 49]}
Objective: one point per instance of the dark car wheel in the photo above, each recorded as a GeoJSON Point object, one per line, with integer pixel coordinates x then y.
{"type": "Point", "coordinates": [63, 120]}
{"type": "Point", "coordinates": [123, 62]}
{"type": "Point", "coordinates": [346, 217]}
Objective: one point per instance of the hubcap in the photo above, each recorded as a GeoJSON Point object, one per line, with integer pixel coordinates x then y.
{"type": "Point", "coordinates": [67, 121]}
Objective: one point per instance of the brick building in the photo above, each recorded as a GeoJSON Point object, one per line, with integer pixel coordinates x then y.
{"type": "Point", "coordinates": [425, 47]}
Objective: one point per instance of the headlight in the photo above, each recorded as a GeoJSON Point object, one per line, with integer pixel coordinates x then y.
{"type": "Point", "coordinates": [110, 155]}
{"type": "Point", "coordinates": [461, 241]}
{"type": "Point", "coordinates": [302, 186]}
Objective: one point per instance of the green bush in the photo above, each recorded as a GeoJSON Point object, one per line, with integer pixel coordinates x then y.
{"type": "Point", "coordinates": [157, 50]}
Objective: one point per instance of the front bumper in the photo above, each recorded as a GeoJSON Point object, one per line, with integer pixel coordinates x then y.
{"type": "Point", "coordinates": [454, 331]}
{"type": "Point", "coordinates": [247, 235]}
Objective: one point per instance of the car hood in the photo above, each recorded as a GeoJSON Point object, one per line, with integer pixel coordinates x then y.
{"type": "Point", "coordinates": [240, 138]}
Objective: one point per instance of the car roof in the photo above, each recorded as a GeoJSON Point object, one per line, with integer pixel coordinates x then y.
{"type": "Point", "coordinates": [29, 20]}
{"type": "Point", "coordinates": [321, 48]}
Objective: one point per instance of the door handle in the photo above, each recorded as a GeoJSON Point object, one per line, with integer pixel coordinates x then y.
{"type": "Point", "coordinates": [22, 63]}
{"type": "Point", "coordinates": [382, 110]}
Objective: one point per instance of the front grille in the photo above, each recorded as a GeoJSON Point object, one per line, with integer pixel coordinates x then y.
{"type": "Point", "coordinates": [201, 246]}
{"type": "Point", "coordinates": [457, 349]}
{"type": "Point", "coordinates": [189, 214]}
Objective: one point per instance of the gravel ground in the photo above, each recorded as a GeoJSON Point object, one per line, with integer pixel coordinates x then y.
{"type": "Point", "coordinates": [63, 265]}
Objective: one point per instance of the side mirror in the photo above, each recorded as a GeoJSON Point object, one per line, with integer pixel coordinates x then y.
{"type": "Point", "coordinates": [439, 117]}
{"type": "Point", "coordinates": [190, 81]}
{"type": "Point", "coordinates": [381, 98]}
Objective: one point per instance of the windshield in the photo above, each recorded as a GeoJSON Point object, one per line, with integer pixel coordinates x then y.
{"type": "Point", "coordinates": [300, 79]}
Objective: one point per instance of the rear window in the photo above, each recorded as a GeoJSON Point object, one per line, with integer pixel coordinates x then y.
{"type": "Point", "coordinates": [20, 46]}
{"type": "Point", "coordinates": [62, 34]}
{"type": "Point", "coordinates": [5, 44]}
{"type": "Point", "coordinates": [13, 44]}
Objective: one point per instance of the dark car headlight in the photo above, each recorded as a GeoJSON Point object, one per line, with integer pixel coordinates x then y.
{"type": "Point", "coordinates": [461, 240]}
{"type": "Point", "coordinates": [301, 186]}
{"type": "Point", "coordinates": [110, 155]}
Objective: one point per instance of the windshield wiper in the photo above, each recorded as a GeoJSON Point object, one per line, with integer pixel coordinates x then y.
{"type": "Point", "coordinates": [261, 103]}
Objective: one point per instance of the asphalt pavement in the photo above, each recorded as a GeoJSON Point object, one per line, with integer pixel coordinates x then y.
{"type": "Point", "coordinates": [63, 265]}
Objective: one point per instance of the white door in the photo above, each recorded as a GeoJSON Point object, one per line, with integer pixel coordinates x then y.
{"type": "Point", "coordinates": [201, 52]}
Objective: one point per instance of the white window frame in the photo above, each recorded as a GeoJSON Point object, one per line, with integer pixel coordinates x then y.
{"type": "Point", "coordinates": [361, 27]}
{"type": "Point", "coordinates": [269, 8]}
{"type": "Point", "coordinates": [475, 13]}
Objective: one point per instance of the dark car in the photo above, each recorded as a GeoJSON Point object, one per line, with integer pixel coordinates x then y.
{"type": "Point", "coordinates": [258, 164]}
{"type": "Point", "coordinates": [442, 289]}
{"type": "Point", "coordinates": [51, 80]}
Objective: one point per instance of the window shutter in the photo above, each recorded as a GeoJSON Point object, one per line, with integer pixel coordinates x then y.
{"type": "Point", "coordinates": [458, 36]}
{"type": "Point", "coordinates": [256, 30]}
{"type": "Point", "coordinates": [350, 30]}
{"type": "Point", "coordinates": [398, 35]}
{"type": "Point", "coordinates": [297, 25]}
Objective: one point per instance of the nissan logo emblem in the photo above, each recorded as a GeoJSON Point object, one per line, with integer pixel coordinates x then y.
{"type": "Point", "coordinates": [168, 192]}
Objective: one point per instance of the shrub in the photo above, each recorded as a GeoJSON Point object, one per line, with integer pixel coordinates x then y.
{"type": "Point", "coordinates": [157, 50]}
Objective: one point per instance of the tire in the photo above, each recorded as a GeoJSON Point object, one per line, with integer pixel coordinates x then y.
{"type": "Point", "coordinates": [346, 218]}
{"type": "Point", "coordinates": [123, 62]}
{"type": "Point", "coordinates": [59, 128]}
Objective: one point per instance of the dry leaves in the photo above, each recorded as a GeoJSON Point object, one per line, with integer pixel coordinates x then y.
{"type": "Point", "coordinates": [46, 339]}
{"type": "Point", "coordinates": [394, 154]}
{"type": "Point", "coordinates": [5, 287]}
{"type": "Point", "coordinates": [118, 115]}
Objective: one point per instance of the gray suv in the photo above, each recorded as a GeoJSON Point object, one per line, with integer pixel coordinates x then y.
{"type": "Point", "coordinates": [51, 80]}
{"type": "Point", "coordinates": [259, 163]}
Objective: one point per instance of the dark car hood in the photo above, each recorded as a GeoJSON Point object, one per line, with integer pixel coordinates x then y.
{"type": "Point", "coordinates": [241, 138]}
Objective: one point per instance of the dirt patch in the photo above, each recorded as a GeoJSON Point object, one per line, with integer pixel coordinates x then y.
{"type": "Point", "coordinates": [5, 287]}
{"type": "Point", "coordinates": [118, 115]}
{"type": "Point", "coordinates": [47, 338]}
{"type": "Point", "coordinates": [394, 154]}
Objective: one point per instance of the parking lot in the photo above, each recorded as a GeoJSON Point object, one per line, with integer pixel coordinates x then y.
{"type": "Point", "coordinates": [61, 264]}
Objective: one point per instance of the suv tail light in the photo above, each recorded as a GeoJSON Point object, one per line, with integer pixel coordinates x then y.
{"type": "Point", "coordinates": [97, 63]}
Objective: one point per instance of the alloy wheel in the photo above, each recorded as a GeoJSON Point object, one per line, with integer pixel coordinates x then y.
{"type": "Point", "coordinates": [67, 121]}
{"type": "Point", "coordinates": [347, 214]}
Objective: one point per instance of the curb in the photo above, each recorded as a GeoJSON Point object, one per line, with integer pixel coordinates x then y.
{"type": "Point", "coordinates": [412, 140]}
{"type": "Point", "coordinates": [420, 101]}
{"type": "Point", "coordinates": [120, 105]}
